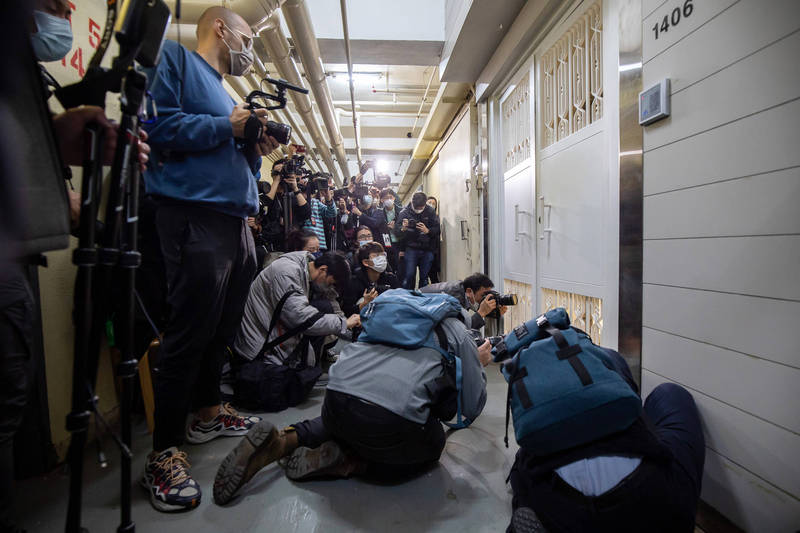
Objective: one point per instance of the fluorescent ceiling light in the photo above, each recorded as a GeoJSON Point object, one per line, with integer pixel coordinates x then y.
{"type": "Point", "coordinates": [359, 78]}
{"type": "Point", "coordinates": [382, 165]}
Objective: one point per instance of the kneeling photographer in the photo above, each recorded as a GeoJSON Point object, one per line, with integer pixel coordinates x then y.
{"type": "Point", "coordinates": [369, 279]}
{"type": "Point", "coordinates": [476, 293]}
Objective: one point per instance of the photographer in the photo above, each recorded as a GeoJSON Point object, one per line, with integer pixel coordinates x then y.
{"type": "Point", "coordinates": [369, 279]}
{"type": "Point", "coordinates": [203, 177]}
{"type": "Point", "coordinates": [474, 294]}
{"type": "Point", "coordinates": [387, 216]}
{"type": "Point", "coordinates": [366, 212]}
{"type": "Point", "coordinates": [323, 210]}
{"type": "Point", "coordinates": [418, 232]}
{"type": "Point", "coordinates": [286, 205]}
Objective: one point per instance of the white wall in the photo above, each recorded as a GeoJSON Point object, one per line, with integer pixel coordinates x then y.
{"type": "Point", "coordinates": [722, 244]}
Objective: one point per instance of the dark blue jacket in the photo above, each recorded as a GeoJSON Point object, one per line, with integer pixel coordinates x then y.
{"type": "Point", "coordinates": [195, 157]}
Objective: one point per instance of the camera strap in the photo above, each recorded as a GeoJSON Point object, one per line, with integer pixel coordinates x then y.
{"type": "Point", "coordinates": [270, 344]}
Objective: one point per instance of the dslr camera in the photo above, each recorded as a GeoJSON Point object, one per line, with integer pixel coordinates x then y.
{"type": "Point", "coordinates": [254, 130]}
{"type": "Point", "coordinates": [502, 299]}
{"type": "Point", "coordinates": [381, 288]}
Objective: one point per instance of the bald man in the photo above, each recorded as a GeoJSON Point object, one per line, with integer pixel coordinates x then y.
{"type": "Point", "coordinates": [202, 178]}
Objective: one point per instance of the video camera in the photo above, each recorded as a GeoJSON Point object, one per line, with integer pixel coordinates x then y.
{"type": "Point", "coordinates": [502, 299]}
{"type": "Point", "coordinates": [254, 130]}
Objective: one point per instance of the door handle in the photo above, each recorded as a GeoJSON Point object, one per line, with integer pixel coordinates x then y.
{"type": "Point", "coordinates": [545, 226]}
{"type": "Point", "coordinates": [517, 213]}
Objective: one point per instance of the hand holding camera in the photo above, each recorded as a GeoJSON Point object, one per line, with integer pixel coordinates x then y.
{"type": "Point", "coordinates": [405, 224]}
{"type": "Point", "coordinates": [485, 353]}
{"type": "Point", "coordinates": [422, 228]}
{"type": "Point", "coordinates": [488, 304]}
{"type": "Point", "coordinates": [239, 117]}
{"type": "Point", "coordinates": [353, 321]}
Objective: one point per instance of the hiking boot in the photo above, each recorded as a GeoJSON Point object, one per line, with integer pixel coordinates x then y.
{"type": "Point", "coordinates": [166, 478]}
{"type": "Point", "coordinates": [524, 520]}
{"type": "Point", "coordinates": [228, 423]}
{"type": "Point", "coordinates": [263, 445]}
{"type": "Point", "coordinates": [327, 460]}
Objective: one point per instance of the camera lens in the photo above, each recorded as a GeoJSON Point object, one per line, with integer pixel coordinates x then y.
{"type": "Point", "coordinates": [281, 132]}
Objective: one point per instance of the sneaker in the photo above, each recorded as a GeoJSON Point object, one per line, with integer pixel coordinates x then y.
{"type": "Point", "coordinates": [263, 445]}
{"type": "Point", "coordinates": [228, 423]}
{"type": "Point", "coordinates": [327, 460]}
{"type": "Point", "coordinates": [167, 479]}
{"type": "Point", "coordinates": [524, 520]}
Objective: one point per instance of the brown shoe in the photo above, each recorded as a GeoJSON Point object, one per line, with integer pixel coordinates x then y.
{"type": "Point", "coordinates": [262, 445]}
{"type": "Point", "coordinates": [327, 460]}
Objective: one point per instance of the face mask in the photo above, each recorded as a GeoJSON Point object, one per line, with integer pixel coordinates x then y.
{"type": "Point", "coordinates": [240, 61]}
{"type": "Point", "coordinates": [53, 40]}
{"type": "Point", "coordinates": [316, 254]}
{"type": "Point", "coordinates": [418, 211]}
{"type": "Point", "coordinates": [432, 206]}
{"type": "Point", "coordinates": [379, 263]}
{"type": "Point", "coordinates": [367, 200]}
{"type": "Point", "coordinates": [362, 243]}
{"type": "Point", "coordinates": [388, 204]}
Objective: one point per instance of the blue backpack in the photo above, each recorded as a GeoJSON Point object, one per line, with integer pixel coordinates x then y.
{"type": "Point", "coordinates": [563, 390]}
{"type": "Point", "coordinates": [409, 319]}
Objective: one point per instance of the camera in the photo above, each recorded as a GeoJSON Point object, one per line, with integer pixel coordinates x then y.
{"type": "Point", "coordinates": [501, 299]}
{"type": "Point", "coordinates": [381, 288]}
{"type": "Point", "coordinates": [293, 166]}
{"type": "Point", "coordinates": [382, 181]}
{"type": "Point", "coordinates": [254, 130]}
{"type": "Point", "coordinates": [497, 342]}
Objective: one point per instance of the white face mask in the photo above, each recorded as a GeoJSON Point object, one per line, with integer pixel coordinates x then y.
{"type": "Point", "coordinates": [362, 243]}
{"type": "Point", "coordinates": [388, 204]}
{"type": "Point", "coordinates": [379, 263]}
{"type": "Point", "coordinates": [53, 39]}
{"type": "Point", "coordinates": [241, 61]}
{"type": "Point", "coordinates": [418, 211]}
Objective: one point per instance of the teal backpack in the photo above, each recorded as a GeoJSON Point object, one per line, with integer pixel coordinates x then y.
{"type": "Point", "coordinates": [409, 319]}
{"type": "Point", "coordinates": [563, 390]}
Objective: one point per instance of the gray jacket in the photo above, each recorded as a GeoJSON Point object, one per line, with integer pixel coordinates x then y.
{"type": "Point", "coordinates": [288, 272]}
{"type": "Point", "coordinates": [457, 291]}
{"type": "Point", "coordinates": [395, 378]}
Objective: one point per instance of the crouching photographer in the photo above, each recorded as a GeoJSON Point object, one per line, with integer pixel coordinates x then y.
{"type": "Point", "coordinates": [274, 364]}
{"type": "Point", "coordinates": [385, 402]}
{"type": "Point", "coordinates": [476, 293]}
{"type": "Point", "coordinates": [369, 279]}
{"type": "Point", "coordinates": [591, 457]}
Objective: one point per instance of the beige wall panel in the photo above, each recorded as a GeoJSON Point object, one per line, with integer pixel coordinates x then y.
{"type": "Point", "coordinates": [747, 499]}
{"type": "Point", "coordinates": [733, 93]}
{"type": "Point", "coordinates": [727, 320]}
{"type": "Point", "coordinates": [758, 266]}
{"type": "Point", "coordinates": [749, 441]}
{"type": "Point", "coordinates": [746, 27]}
{"type": "Point", "coordinates": [759, 143]}
{"type": "Point", "coordinates": [731, 377]}
{"type": "Point", "coordinates": [700, 13]}
{"type": "Point", "coordinates": [764, 204]}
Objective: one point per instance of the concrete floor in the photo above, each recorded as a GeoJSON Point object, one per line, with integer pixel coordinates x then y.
{"type": "Point", "coordinates": [466, 492]}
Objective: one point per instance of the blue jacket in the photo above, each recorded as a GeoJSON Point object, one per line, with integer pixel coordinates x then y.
{"type": "Point", "coordinates": [195, 157]}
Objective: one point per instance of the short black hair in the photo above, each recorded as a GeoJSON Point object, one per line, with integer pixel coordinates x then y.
{"type": "Point", "coordinates": [419, 199]}
{"type": "Point", "coordinates": [298, 238]}
{"type": "Point", "coordinates": [369, 248]}
{"type": "Point", "coordinates": [361, 228]}
{"type": "Point", "coordinates": [477, 281]}
{"type": "Point", "coordinates": [338, 267]}
{"type": "Point", "coordinates": [387, 192]}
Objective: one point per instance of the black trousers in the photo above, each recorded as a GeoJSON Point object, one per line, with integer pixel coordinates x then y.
{"type": "Point", "coordinates": [209, 260]}
{"type": "Point", "coordinates": [16, 322]}
{"type": "Point", "coordinates": [663, 496]}
{"type": "Point", "coordinates": [393, 446]}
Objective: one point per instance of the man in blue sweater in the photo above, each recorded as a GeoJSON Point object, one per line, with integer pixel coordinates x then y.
{"type": "Point", "coordinates": [202, 177]}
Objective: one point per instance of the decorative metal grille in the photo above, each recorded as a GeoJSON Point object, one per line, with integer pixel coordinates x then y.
{"type": "Point", "coordinates": [571, 78]}
{"type": "Point", "coordinates": [516, 110]}
{"type": "Point", "coordinates": [585, 312]}
{"type": "Point", "coordinates": [523, 311]}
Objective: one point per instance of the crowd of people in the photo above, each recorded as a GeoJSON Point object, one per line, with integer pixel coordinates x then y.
{"type": "Point", "coordinates": [266, 277]}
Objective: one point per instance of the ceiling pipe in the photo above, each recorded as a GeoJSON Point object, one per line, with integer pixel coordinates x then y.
{"type": "Point", "coordinates": [295, 12]}
{"type": "Point", "coordinates": [254, 12]}
{"type": "Point", "coordinates": [356, 127]}
{"type": "Point", "coordinates": [277, 46]}
{"type": "Point", "coordinates": [422, 102]}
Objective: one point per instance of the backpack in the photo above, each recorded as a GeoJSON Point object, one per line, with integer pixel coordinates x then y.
{"type": "Point", "coordinates": [409, 319]}
{"type": "Point", "coordinates": [563, 390]}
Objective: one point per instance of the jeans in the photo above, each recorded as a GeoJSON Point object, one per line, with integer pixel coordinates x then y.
{"type": "Point", "coordinates": [210, 262]}
{"type": "Point", "coordinates": [392, 445]}
{"type": "Point", "coordinates": [664, 496]}
{"type": "Point", "coordinates": [415, 257]}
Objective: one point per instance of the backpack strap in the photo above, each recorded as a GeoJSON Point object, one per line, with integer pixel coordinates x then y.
{"type": "Point", "coordinates": [270, 344]}
{"type": "Point", "coordinates": [568, 352]}
{"type": "Point", "coordinates": [450, 358]}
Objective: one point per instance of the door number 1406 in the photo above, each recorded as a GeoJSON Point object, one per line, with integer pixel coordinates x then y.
{"type": "Point", "coordinates": [674, 18]}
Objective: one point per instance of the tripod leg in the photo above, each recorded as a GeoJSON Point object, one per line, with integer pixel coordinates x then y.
{"type": "Point", "coordinates": [85, 257]}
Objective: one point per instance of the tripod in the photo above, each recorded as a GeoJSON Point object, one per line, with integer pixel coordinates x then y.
{"type": "Point", "coordinates": [97, 264]}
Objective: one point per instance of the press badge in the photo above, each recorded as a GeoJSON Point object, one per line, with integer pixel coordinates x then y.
{"type": "Point", "coordinates": [387, 240]}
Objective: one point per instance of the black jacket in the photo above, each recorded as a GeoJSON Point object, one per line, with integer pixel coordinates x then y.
{"type": "Point", "coordinates": [358, 284]}
{"type": "Point", "coordinates": [413, 238]}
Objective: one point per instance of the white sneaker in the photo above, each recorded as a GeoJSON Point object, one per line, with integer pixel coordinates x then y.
{"type": "Point", "coordinates": [228, 423]}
